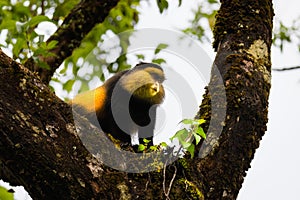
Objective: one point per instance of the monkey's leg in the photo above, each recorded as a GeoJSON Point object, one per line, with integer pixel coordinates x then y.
{"type": "Point", "coordinates": [147, 131]}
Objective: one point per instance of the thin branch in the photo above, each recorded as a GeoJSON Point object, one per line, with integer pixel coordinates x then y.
{"type": "Point", "coordinates": [286, 68]}
{"type": "Point", "coordinates": [164, 181]}
{"type": "Point", "coordinates": [69, 35]}
{"type": "Point", "coordinates": [171, 182]}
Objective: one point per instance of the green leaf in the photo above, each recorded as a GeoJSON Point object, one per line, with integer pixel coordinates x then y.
{"type": "Point", "coordinates": [187, 121]}
{"type": "Point", "coordinates": [197, 137]}
{"type": "Point", "coordinates": [141, 147]}
{"type": "Point", "coordinates": [160, 47]}
{"type": "Point", "coordinates": [179, 134]}
{"type": "Point", "coordinates": [140, 56]}
{"type": "Point", "coordinates": [20, 44]}
{"type": "Point", "coordinates": [8, 24]}
{"type": "Point", "coordinates": [200, 132]}
{"type": "Point", "coordinates": [55, 79]}
{"type": "Point", "coordinates": [191, 149]}
{"type": "Point", "coordinates": [180, 2]}
{"type": "Point", "coordinates": [69, 85]}
{"type": "Point", "coordinates": [42, 64]}
{"type": "Point", "coordinates": [6, 195]}
{"type": "Point", "coordinates": [153, 148]}
{"type": "Point", "coordinates": [41, 38]}
{"type": "Point", "coordinates": [163, 144]}
{"type": "Point", "coordinates": [182, 135]}
{"type": "Point", "coordinates": [4, 3]}
{"type": "Point", "coordinates": [51, 44]}
{"type": "Point", "coordinates": [34, 21]}
{"type": "Point", "coordinates": [121, 60]}
{"type": "Point", "coordinates": [201, 121]}
{"type": "Point", "coordinates": [185, 144]}
{"type": "Point", "coordinates": [64, 8]}
{"type": "Point", "coordinates": [102, 77]}
{"type": "Point", "coordinates": [159, 61]}
{"type": "Point", "coordinates": [146, 141]}
{"type": "Point", "coordinates": [42, 51]}
{"type": "Point", "coordinates": [212, 1]}
{"type": "Point", "coordinates": [162, 5]}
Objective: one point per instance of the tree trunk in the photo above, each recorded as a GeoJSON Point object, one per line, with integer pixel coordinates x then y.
{"type": "Point", "coordinates": [41, 149]}
{"type": "Point", "coordinates": [243, 38]}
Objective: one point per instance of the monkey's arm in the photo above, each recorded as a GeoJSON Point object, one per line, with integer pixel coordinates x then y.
{"type": "Point", "coordinates": [147, 131]}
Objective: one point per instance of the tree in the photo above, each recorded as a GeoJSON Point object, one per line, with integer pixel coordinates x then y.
{"type": "Point", "coordinates": [40, 147]}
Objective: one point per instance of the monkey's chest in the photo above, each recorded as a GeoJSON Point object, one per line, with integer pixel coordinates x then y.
{"type": "Point", "coordinates": [140, 112]}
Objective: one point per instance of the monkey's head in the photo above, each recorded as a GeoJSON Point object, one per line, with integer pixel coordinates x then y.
{"type": "Point", "coordinates": [144, 82]}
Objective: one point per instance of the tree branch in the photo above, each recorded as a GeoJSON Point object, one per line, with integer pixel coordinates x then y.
{"type": "Point", "coordinates": [240, 85]}
{"type": "Point", "coordinates": [69, 35]}
{"type": "Point", "coordinates": [285, 68]}
{"type": "Point", "coordinates": [40, 147]}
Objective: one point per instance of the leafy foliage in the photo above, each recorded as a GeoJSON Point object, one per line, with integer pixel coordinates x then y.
{"type": "Point", "coordinates": [146, 148]}
{"type": "Point", "coordinates": [156, 57]}
{"type": "Point", "coordinates": [186, 136]}
{"type": "Point", "coordinates": [204, 18]}
{"type": "Point", "coordinates": [286, 34]}
{"type": "Point", "coordinates": [158, 49]}
{"type": "Point", "coordinates": [19, 21]}
{"type": "Point", "coordinates": [93, 57]}
{"type": "Point", "coordinates": [162, 5]}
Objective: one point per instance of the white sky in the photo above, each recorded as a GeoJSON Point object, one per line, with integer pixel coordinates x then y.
{"type": "Point", "coordinates": [275, 170]}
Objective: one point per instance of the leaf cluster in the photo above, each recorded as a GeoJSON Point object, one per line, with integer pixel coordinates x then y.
{"type": "Point", "coordinates": [186, 136]}
{"type": "Point", "coordinates": [155, 58]}
{"type": "Point", "coordinates": [91, 60]}
{"type": "Point", "coordinates": [19, 21]}
{"type": "Point", "coordinates": [283, 34]}
{"type": "Point", "coordinates": [204, 18]}
{"type": "Point", "coordinates": [147, 148]}
{"type": "Point", "coordinates": [164, 4]}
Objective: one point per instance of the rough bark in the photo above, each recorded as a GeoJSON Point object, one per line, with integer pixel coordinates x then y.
{"type": "Point", "coordinates": [41, 150]}
{"type": "Point", "coordinates": [69, 35]}
{"type": "Point", "coordinates": [34, 125]}
{"type": "Point", "coordinates": [243, 37]}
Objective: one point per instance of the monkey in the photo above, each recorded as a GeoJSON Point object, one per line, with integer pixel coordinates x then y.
{"type": "Point", "coordinates": [126, 103]}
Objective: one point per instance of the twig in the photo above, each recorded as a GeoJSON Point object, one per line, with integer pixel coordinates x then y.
{"type": "Point", "coordinates": [147, 183]}
{"type": "Point", "coordinates": [286, 69]}
{"type": "Point", "coordinates": [171, 182]}
{"type": "Point", "coordinates": [164, 181]}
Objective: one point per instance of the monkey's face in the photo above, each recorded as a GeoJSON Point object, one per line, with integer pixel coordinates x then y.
{"type": "Point", "coordinates": [152, 92]}
{"type": "Point", "coordinates": [145, 83]}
